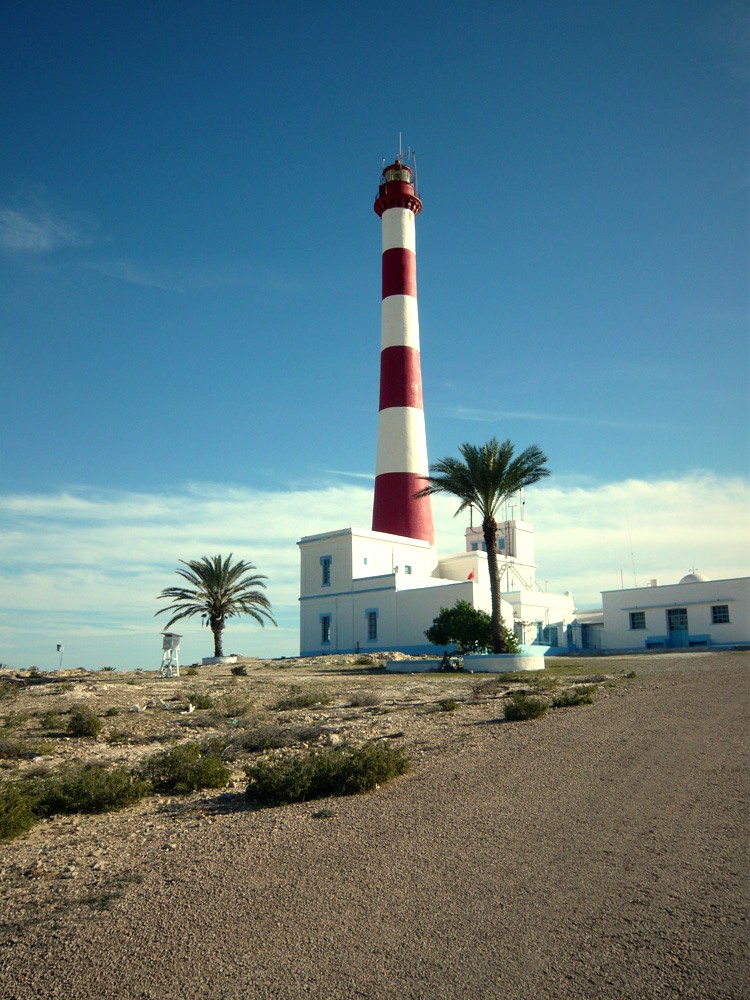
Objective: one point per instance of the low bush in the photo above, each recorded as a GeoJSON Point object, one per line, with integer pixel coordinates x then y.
{"type": "Point", "coordinates": [240, 670]}
{"type": "Point", "coordinates": [16, 811]}
{"type": "Point", "coordinates": [303, 698]}
{"type": "Point", "coordinates": [365, 699]}
{"type": "Point", "coordinates": [51, 721]}
{"type": "Point", "coordinates": [235, 705]}
{"type": "Point", "coordinates": [448, 704]}
{"type": "Point", "coordinates": [573, 697]}
{"type": "Point", "coordinates": [11, 749]}
{"type": "Point", "coordinates": [184, 769]}
{"type": "Point", "coordinates": [9, 690]}
{"type": "Point", "coordinates": [201, 701]}
{"type": "Point", "coordinates": [522, 707]}
{"type": "Point", "coordinates": [113, 711]}
{"type": "Point", "coordinates": [84, 721]}
{"type": "Point", "coordinates": [318, 774]}
{"type": "Point", "coordinates": [13, 720]}
{"type": "Point", "coordinates": [86, 788]}
{"type": "Point", "coordinates": [269, 736]}
{"type": "Point", "coordinates": [192, 671]}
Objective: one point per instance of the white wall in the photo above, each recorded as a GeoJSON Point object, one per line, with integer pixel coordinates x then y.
{"type": "Point", "coordinates": [406, 603]}
{"type": "Point", "coordinates": [696, 598]}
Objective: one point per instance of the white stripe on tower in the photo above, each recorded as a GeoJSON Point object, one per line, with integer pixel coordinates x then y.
{"type": "Point", "coordinates": [402, 444]}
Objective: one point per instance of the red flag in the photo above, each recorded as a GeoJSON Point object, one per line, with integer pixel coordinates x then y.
{"type": "Point", "coordinates": [470, 576]}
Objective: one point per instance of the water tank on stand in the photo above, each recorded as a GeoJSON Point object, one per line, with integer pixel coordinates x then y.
{"type": "Point", "coordinates": [170, 666]}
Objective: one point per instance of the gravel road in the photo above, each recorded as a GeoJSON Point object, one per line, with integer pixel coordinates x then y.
{"type": "Point", "coordinates": [599, 852]}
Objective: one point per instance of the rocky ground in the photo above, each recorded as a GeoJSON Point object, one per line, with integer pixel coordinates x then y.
{"type": "Point", "coordinates": [598, 852]}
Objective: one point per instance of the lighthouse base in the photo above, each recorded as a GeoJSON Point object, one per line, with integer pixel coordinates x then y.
{"type": "Point", "coordinates": [396, 511]}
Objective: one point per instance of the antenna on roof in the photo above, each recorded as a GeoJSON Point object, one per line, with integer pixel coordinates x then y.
{"type": "Point", "coordinates": [400, 153]}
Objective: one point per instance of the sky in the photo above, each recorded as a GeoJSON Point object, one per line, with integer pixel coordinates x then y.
{"type": "Point", "coordinates": [190, 290]}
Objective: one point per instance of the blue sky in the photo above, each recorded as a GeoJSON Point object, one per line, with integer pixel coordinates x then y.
{"type": "Point", "coordinates": [190, 299]}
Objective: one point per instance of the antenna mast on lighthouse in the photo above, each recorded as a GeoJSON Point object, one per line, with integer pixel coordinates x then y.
{"type": "Point", "coordinates": [402, 443]}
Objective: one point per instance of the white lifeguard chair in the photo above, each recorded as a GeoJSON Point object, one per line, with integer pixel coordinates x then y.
{"type": "Point", "coordinates": [170, 666]}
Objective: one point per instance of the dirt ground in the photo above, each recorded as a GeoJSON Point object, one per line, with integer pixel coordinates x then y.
{"type": "Point", "coordinates": [598, 852]}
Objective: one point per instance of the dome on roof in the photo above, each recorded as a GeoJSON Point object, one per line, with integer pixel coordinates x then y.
{"type": "Point", "coordinates": [694, 578]}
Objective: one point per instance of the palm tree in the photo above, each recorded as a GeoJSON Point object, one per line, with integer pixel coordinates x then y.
{"type": "Point", "coordinates": [219, 590]}
{"type": "Point", "coordinates": [484, 479]}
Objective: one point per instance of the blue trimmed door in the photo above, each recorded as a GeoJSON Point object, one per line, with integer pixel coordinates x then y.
{"type": "Point", "coordinates": [677, 627]}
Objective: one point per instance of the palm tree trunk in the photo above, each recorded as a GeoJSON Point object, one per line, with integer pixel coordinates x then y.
{"type": "Point", "coordinates": [217, 628]}
{"type": "Point", "coordinates": [489, 530]}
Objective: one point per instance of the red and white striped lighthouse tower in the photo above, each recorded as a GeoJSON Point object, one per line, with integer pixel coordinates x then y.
{"type": "Point", "coordinates": [402, 443]}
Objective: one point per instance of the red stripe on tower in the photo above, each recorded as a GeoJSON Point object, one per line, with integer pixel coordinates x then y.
{"type": "Point", "coordinates": [402, 445]}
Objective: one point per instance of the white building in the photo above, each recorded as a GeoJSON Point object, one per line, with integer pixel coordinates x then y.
{"type": "Point", "coordinates": [366, 591]}
{"type": "Point", "coordinates": [696, 612]}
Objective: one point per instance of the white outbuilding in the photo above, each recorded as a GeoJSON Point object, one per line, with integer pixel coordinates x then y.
{"type": "Point", "coordinates": [696, 612]}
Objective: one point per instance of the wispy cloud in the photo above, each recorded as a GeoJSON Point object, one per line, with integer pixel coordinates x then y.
{"type": "Point", "coordinates": [196, 276]}
{"type": "Point", "coordinates": [83, 567]}
{"type": "Point", "coordinates": [41, 230]}
{"type": "Point", "coordinates": [492, 416]}
{"type": "Point", "coordinates": [370, 476]}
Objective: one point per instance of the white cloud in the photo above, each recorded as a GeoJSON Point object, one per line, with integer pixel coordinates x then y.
{"type": "Point", "coordinates": [83, 567]}
{"type": "Point", "coordinates": [196, 276]}
{"type": "Point", "coordinates": [41, 230]}
{"type": "Point", "coordinates": [493, 416]}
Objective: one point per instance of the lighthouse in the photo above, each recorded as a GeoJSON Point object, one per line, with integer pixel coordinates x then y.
{"type": "Point", "coordinates": [379, 589]}
{"type": "Point", "coordinates": [401, 465]}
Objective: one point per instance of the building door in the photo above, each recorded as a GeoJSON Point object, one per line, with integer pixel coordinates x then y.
{"type": "Point", "coordinates": [677, 627]}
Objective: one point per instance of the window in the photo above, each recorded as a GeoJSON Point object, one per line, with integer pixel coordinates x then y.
{"type": "Point", "coordinates": [372, 625]}
{"type": "Point", "coordinates": [637, 619]}
{"type": "Point", "coordinates": [407, 570]}
{"type": "Point", "coordinates": [551, 636]}
{"type": "Point", "coordinates": [720, 614]}
{"type": "Point", "coordinates": [325, 629]}
{"type": "Point", "coordinates": [325, 571]}
{"type": "Point", "coordinates": [677, 619]}
{"type": "Point", "coordinates": [474, 546]}
{"type": "Point", "coordinates": [546, 635]}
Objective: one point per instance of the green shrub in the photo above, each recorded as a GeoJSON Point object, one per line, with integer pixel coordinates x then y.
{"type": "Point", "coordinates": [15, 719]}
{"type": "Point", "coordinates": [521, 707]}
{"type": "Point", "coordinates": [240, 670]}
{"type": "Point", "coordinates": [9, 690]}
{"type": "Point", "coordinates": [236, 705]}
{"type": "Point", "coordinates": [200, 701]}
{"type": "Point", "coordinates": [318, 774]}
{"type": "Point", "coordinates": [184, 769]}
{"type": "Point", "coordinates": [111, 712]}
{"type": "Point", "coordinates": [86, 788]}
{"type": "Point", "coordinates": [11, 749]}
{"type": "Point", "coordinates": [448, 704]}
{"type": "Point", "coordinates": [576, 696]}
{"type": "Point", "coordinates": [631, 675]}
{"type": "Point", "coordinates": [365, 699]}
{"type": "Point", "coordinates": [307, 698]}
{"type": "Point", "coordinates": [192, 671]}
{"type": "Point", "coordinates": [269, 736]}
{"type": "Point", "coordinates": [16, 811]}
{"type": "Point", "coordinates": [84, 721]}
{"type": "Point", "coordinates": [52, 720]}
